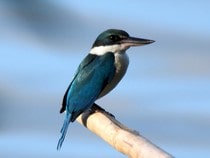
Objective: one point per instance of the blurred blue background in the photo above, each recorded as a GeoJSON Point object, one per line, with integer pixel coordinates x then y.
{"type": "Point", "coordinates": [165, 95]}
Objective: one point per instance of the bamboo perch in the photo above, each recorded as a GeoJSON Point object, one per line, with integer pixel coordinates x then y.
{"type": "Point", "coordinates": [126, 141]}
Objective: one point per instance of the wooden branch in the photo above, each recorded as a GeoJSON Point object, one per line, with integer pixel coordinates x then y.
{"type": "Point", "coordinates": [128, 142]}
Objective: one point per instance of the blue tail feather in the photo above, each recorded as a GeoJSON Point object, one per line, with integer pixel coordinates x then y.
{"type": "Point", "coordinates": [64, 130]}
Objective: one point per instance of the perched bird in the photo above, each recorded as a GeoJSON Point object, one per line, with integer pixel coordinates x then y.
{"type": "Point", "coordinates": [99, 72]}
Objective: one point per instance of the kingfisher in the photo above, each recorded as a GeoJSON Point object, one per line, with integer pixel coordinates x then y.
{"type": "Point", "coordinates": [99, 72]}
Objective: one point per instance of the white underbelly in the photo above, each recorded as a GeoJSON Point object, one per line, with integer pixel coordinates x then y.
{"type": "Point", "coordinates": [121, 63]}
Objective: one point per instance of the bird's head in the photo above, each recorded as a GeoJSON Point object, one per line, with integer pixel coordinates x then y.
{"type": "Point", "coordinates": [116, 41]}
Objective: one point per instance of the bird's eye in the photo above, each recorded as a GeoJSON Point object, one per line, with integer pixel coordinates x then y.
{"type": "Point", "coordinates": [114, 37]}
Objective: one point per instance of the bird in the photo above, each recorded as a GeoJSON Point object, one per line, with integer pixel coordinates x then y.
{"type": "Point", "coordinates": [98, 73]}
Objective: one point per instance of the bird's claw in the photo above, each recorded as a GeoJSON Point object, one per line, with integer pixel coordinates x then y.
{"type": "Point", "coordinates": [96, 108]}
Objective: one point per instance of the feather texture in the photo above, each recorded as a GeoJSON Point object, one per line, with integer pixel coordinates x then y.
{"type": "Point", "coordinates": [64, 130]}
{"type": "Point", "coordinates": [93, 74]}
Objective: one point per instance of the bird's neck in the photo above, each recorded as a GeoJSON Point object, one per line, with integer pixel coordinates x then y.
{"type": "Point", "coordinates": [121, 58]}
{"type": "Point", "coordinates": [101, 50]}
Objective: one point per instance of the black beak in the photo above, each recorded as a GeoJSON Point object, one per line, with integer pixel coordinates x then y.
{"type": "Point", "coordinates": [133, 41]}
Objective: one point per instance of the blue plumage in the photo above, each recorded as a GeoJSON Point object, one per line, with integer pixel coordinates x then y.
{"type": "Point", "coordinates": [64, 130]}
{"type": "Point", "coordinates": [92, 75]}
{"type": "Point", "coordinates": [98, 74]}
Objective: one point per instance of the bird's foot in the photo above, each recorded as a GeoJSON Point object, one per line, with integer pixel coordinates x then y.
{"type": "Point", "coordinates": [96, 108]}
{"type": "Point", "coordinates": [93, 109]}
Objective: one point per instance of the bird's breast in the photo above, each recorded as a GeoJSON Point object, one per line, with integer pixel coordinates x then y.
{"type": "Point", "coordinates": [121, 64]}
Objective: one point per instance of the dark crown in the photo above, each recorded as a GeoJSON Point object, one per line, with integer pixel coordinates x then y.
{"type": "Point", "coordinates": [110, 37]}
